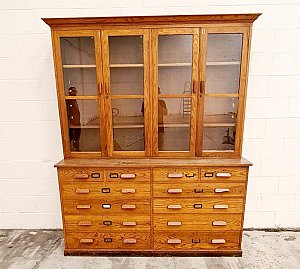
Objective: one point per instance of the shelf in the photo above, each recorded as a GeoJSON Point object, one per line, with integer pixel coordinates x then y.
{"type": "Point", "coordinates": [223, 63]}
{"type": "Point", "coordinates": [128, 126]}
{"type": "Point", "coordinates": [125, 65]}
{"type": "Point", "coordinates": [79, 66]}
{"type": "Point", "coordinates": [84, 127]}
{"type": "Point", "coordinates": [174, 64]}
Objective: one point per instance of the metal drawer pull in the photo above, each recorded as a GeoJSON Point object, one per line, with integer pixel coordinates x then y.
{"type": "Point", "coordinates": [198, 190]}
{"type": "Point", "coordinates": [81, 176]}
{"type": "Point", "coordinates": [174, 241]}
{"type": "Point", "coordinates": [83, 206]}
{"type": "Point", "coordinates": [128, 176]}
{"type": "Point", "coordinates": [175, 175]}
{"type": "Point", "coordinates": [86, 241]}
{"type": "Point", "coordinates": [128, 207]}
{"type": "Point", "coordinates": [106, 206]}
{"type": "Point", "coordinates": [85, 223]}
{"type": "Point", "coordinates": [129, 223]}
{"type": "Point", "coordinates": [221, 206]}
{"type": "Point", "coordinates": [128, 190]}
{"type": "Point", "coordinates": [174, 223]}
{"type": "Point", "coordinates": [174, 190]}
{"type": "Point", "coordinates": [107, 222]}
{"type": "Point", "coordinates": [190, 175]}
{"type": "Point", "coordinates": [219, 223]}
{"type": "Point", "coordinates": [129, 241]}
{"type": "Point", "coordinates": [195, 240]}
{"type": "Point", "coordinates": [95, 175]}
{"type": "Point", "coordinates": [107, 240]}
{"type": "Point", "coordinates": [209, 174]}
{"type": "Point", "coordinates": [105, 190]}
{"type": "Point", "coordinates": [113, 175]}
{"type": "Point", "coordinates": [221, 190]}
{"type": "Point", "coordinates": [223, 174]}
{"type": "Point", "coordinates": [197, 206]}
{"type": "Point", "coordinates": [174, 206]}
{"type": "Point", "coordinates": [218, 241]}
{"type": "Point", "coordinates": [82, 191]}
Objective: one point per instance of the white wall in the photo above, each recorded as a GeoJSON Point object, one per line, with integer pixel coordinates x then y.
{"type": "Point", "coordinates": [29, 128]}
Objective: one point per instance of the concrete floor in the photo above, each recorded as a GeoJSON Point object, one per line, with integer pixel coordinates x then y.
{"type": "Point", "coordinates": [27, 249]}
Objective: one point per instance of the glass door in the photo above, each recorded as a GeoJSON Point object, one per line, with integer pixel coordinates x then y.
{"type": "Point", "coordinates": [79, 92]}
{"type": "Point", "coordinates": [224, 56]}
{"type": "Point", "coordinates": [126, 73]}
{"type": "Point", "coordinates": [174, 87]}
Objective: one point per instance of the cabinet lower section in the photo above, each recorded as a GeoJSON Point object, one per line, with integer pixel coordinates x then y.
{"type": "Point", "coordinates": [152, 210]}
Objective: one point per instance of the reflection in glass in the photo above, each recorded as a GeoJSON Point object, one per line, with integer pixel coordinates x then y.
{"type": "Point", "coordinates": [219, 138]}
{"type": "Point", "coordinates": [128, 124]}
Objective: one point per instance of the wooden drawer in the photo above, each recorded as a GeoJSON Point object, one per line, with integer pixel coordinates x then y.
{"type": "Point", "coordinates": [224, 174]}
{"type": "Point", "coordinates": [127, 175]}
{"type": "Point", "coordinates": [123, 222]}
{"type": "Point", "coordinates": [201, 222]}
{"type": "Point", "coordinates": [99, 240]}
{"type": "Point", "coordinates": [197, 240]}
{"type": "Point", "coordinates": [106, 206]}
{"type": "Point", "coordinates": [175, 175]}
{"type": "Point", "coordinates": [198, 206]}
{"type": "Point", "coordinates": [120, 190]}
{"type": "Point", "coordinates": [190, 190]}
{"type": "Point", "coordinates": [80, 174]}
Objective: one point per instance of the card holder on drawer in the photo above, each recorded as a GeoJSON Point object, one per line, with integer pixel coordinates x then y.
{"type": "Point", "coordinates": [224, 174]}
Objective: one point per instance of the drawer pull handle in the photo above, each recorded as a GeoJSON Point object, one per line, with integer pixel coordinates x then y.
{"type": "Point", "coordinates": [197, 206]}
{"type": "Point", "coordinates": [221, 190]}
{"type": "Point", "coordinates": [85, 223]}
{"type": "Point", "coordinates": [209, 174]}
{"type": "Point", "coordinates": [221, 206]}
{"type": "Point", "coordinates": [174, 190]}
{"type": "Point", "coordinates": [113, 175]}
{"type": "Point", "coordinates": [83, 206]}
{"type": "Point", "coordinates": [223, 174]}
{"type": "Point", "coordinates": [175, 175]}
{"type": "Point", "coordinates": [129, 223]}
{"type": "Point", "coordinates": [129, 241]}
{"type": "Point", "coordinates": [82, 191]}
{"type": "Point", "coordinates": [195, 240]}
{"type": "Point", "coordinates": [174, 206]}
{"type": "Point", "coordinates": [95, 175]}
{"type": "Point", "coordinates": [174, 241]}
{"type": "Point", "coordinates": [190, 175]}
{"type": "Point", "coordinates": [105, 190]}
{"type": "Point", "coordinates": [81, 176]}
{"type": "Point", "coordinates": [174, 223]}
{"type": "Point", "coordinates": [107, 240]}
{"type": "Point", "coordinates": [86, 241]}
{"type": "Point", "coordinates": [219, 223]}
{"type": "Point", "coordinates": [128, 207]}
{"type": "Point", "coordinates": [128, 176]}
{"type": "Point", "coordinates": [218, 241]}
{"type": "Point", "coordinates": [107, 223]}
{"type": "Point", "coordinates": [198, 190]}
{"type": "Point", "coordinates": [106, 206]}
{"type": "Point", "coordinates": [128, 190]}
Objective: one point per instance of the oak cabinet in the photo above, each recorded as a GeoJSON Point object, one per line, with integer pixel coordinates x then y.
{"type": "Point", "coordinates": [157, 89]}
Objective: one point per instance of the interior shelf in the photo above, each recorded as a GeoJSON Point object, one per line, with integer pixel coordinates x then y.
{"type": "Point", "coordinates": [79, 66]}
{"type": "Point", "coordinates": [223, 63]}
{"type": "Point", "coordinates": [174, 64]}
{"type": "Point", "coordinates": [125, 65]}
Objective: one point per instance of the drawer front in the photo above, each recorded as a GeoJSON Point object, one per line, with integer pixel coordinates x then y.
{"type": "Point", "coordinates": [127, 175]}
{"type": "Point", "coordinates": [203, 222]}
{"type": "Point", "coordinates": [94, 190]}
{"type": "Point", "coordinates": [197, 240]}
{"type": "Point", "coordinates": [80, 174]}
{"type": "Point", "coordinates": [223, 174]}
{"type": "Point", "coordinates": [199, 190]}
{"type": "Point", "coordinates": [107, 207]}
{"type": "Point", "coordinates": [198, 206]}
{"type": "Point", "coordinates": [123, 222]}
{"type": "Point", "coordinates": [99, 240]}
{"type": "Point", "coordinates": [175, 175]}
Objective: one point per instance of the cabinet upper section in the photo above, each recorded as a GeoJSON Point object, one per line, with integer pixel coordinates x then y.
{"type": "Point", "coordinates": [152, 86]}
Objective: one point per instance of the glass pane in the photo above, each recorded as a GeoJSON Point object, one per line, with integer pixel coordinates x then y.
{"type": "Point", "coordinates": [223, 63]}
{"type": "Point", "coordinates": [175, 63]}
{"type": "Point", "coordinates": [128, 124]}
{"type": "Point", "coordinates": [83, 119]}
{"type": "Point", "coordinates": [174, 124]}
{"type": "Point", "coordinates": [218, 138]}
{"type": "Point", "coordinates": [77, 50]}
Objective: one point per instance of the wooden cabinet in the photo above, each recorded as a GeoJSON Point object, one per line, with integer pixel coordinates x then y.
{"type": "Point", "coordinates": [152, 115]}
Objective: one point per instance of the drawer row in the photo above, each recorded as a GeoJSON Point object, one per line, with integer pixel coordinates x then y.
{"type": "Point", "coordinates": [161, 241]}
